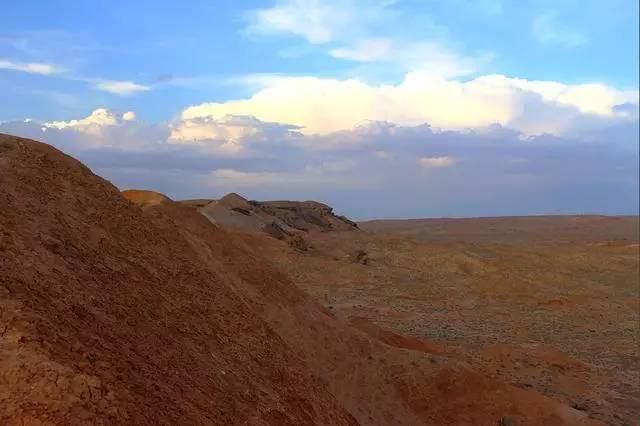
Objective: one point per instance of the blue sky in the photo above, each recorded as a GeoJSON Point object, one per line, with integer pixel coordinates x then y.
{"type": "Point", "coordinates": [148, 43]}
{"type": "Point", "coordinates": [270, 92]}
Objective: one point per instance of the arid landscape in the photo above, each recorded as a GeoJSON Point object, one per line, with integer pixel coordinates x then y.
{"type": "Point", "coordinates": [320, 212]}
{"type": "Point", "coordinates": [130, 308]}
{"type": "Point", "coordinates": [543, 303]}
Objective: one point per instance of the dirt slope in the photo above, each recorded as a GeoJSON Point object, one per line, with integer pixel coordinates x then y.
{"type": "Point", "coordinates": [144, 198]}
{"type": "Point", "coordinates": [114, 313]}
{"type": "Point", "coordinates": [110, 315]}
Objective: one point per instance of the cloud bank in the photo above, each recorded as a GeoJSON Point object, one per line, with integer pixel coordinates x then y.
{"type": "Point", "coordinates": [375, 168]}
{"type": "Point", "coordinates": [322, 106]}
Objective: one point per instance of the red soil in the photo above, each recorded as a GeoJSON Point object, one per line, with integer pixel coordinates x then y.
{"type": "Point", "coordinates": [114, 314]}
{"type": "Point", "coordinates": [394, 339]}
{"type": "Point", "coordinates": [144, 198]}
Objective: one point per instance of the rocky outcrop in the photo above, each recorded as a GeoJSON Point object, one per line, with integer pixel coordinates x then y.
{"type": "Point", "coordinates": [289, 221]}
{"type": "Point", "coordinates": [306, 215]}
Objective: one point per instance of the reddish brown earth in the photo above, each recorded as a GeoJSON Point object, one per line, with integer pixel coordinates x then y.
{"type": "Point", "coordinates": [119, 313]}
{"type": "Point", "coordinates": [513, 230]}
{"type": "Point", "coordinates": [144, 198]}
{"type": "Point", "coordinates": [544, 303]}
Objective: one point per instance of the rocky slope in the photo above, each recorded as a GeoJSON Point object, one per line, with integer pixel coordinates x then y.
{"type": "Point", "coordinates": [113, 312]}
{"type": "Point", "coordinates": [284, 220]}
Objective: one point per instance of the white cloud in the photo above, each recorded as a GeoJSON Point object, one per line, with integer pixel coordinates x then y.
{"type": "Point", "coordinates": [31, 68]}
{"type": "Point", "coordinates": [436, 161]}
{"type": "Point", "coordinates": [228, 128]}
{"type": "Point", "coordinates": [93, 123]}
{"type": "Point", "coordinates": [129, 116]}
{"type": "Point", "coordinates": [428, 56]}
{"type": "Point", "coordinates": [231, 134]}
{"type": "Point", "coordinates": [352, 31]}
{"type": "Point", "coordinates": [226, 133]}
{"type": "Point", "coordinates": [122, 88]}
{"type": "Point", "coordinates": [546, 29]}
{"type": "Point", "coordinates": [318, 21]}
{"type": "Point", "coordinates": [103, 128]}
{"type": "Point", "coordinates": [321, 106]}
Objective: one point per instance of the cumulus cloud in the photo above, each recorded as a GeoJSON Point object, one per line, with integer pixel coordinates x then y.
{"type": "Point", "coordinates": [122, 88]}
{"type": "Point", "coordinates": [129, 116]}
{"type": "Point", "coordinates": [376, 169]}
{"type": "Point", "coordinates": [30, 67]}
{"type": "Point", "coordinates": [321, 106]}
{"type": "Point", "coordinates": [230, 134]}
{"type": "Point", "coordinates": [93, 123]}
{"type": "Point", "coordinates": [101, 129]}
{"type": "Point", "coordinates": [547, 29]}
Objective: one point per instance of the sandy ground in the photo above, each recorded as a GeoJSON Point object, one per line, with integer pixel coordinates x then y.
{"type": "Point", "coordinates": [548, 303]}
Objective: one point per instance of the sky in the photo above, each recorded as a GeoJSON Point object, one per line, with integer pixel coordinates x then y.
{"type": "Point", "coordinates": [382, 109]}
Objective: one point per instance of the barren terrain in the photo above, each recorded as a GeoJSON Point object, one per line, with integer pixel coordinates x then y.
{"type": "Point", "coordinates": [546, 303]}
{"type": "Point", "coordinates": [136, 309]}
